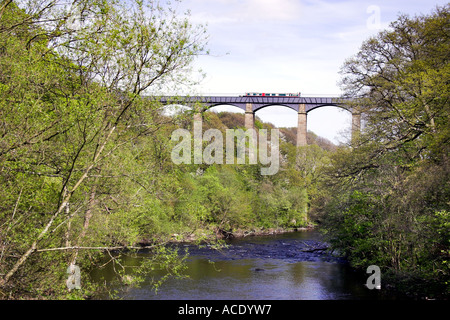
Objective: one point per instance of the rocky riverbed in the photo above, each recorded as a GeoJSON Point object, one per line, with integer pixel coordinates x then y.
{"type": "Point", "coordinates": [292, 250]}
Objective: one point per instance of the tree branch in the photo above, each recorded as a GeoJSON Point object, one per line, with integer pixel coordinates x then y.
{"type": "Point", "coordinates": [99, 248]}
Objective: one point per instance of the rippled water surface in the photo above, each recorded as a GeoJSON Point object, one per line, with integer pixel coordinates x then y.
{"type": "Point", "coordinates": [262, 268]}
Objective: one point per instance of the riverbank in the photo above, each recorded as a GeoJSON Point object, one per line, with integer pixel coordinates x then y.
{"type": "Point", "coordinates": [211, 235]}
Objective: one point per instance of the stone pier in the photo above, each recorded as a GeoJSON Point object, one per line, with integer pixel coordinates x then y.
{"type": "Point", "coordinates": [249, 116]}
{"type": "Point", "coordinates": [198, 116]}
{"type": "Point", "coordinates": [356, 124]}
{"type": "Point", "coordinates": [301, 127]}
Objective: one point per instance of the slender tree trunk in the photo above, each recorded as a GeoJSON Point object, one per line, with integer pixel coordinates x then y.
{"type": "Point", "coordinates": [87, 219]}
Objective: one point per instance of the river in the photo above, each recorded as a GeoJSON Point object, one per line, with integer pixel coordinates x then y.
{"type": "Point", "coordinates": [257, 268]}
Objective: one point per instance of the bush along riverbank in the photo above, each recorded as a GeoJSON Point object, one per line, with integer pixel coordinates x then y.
{"type": "Point", "coordinates": [386, 200]}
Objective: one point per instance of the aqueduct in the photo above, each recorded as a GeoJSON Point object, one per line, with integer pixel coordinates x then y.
{"type": "Point", "coordinates": [250, 104]}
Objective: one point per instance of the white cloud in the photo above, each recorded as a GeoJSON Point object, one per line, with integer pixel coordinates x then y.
{"type": "Point", "coordinates": [288, 45]}
{"type": "Point", "coordinates": [244, 11]}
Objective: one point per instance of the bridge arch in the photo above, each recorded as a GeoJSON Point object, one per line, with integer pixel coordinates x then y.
{"type": "Point", "coordinates": [289, 106]}
{"type": "Point", "coordinates": [218, 105]}
{"type": "Point", "coordinates": [336, 105]}
{"type": "Point", "coordinates": [331, 122]}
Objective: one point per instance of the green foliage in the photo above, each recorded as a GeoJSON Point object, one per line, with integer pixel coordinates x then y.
{"type": "Point", "coordinates": [386, 200]}
{"type": "Point", "coordinates": [76, 169]}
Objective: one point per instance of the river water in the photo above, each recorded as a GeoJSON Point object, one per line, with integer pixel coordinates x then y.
{"type": "Point", "coordinates": [258, 268]}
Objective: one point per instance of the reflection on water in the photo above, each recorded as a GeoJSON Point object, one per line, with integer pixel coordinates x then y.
{"type": "Point", "coordinates": [263, 268]}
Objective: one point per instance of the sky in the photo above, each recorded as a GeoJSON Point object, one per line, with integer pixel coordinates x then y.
{"type": "Point", "coordinates": [290, 46]}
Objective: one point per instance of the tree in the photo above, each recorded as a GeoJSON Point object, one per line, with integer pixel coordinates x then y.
{"type": "Point", "coordinates": [388, 196]}
{"type": "Point", "coordinates": [73, 77]}
{"type": "Point", "coordinates": [400, 80]}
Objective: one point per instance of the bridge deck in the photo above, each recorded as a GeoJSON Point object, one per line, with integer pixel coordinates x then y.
{"type": "Point", "coordinates": [258, 102]}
